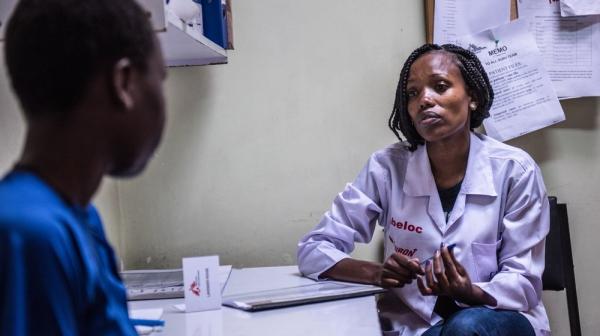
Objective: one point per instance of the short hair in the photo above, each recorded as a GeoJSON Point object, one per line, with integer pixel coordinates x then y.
{"type": "Point", "coordinates": [54, 48]}
{"type": "Point", "coordinates": [476, 81]}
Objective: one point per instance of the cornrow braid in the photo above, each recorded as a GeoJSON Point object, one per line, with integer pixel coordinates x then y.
{"type": "Point", "coordinates": [477, 84]}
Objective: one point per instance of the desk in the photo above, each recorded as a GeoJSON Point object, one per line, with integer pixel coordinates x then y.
{"type": "Point", "coordinates": [356, 316]}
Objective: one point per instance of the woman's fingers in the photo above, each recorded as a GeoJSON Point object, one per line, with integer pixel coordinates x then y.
{"type": "Point", "coordinates": [450, 268]}
{"type": "Point", "coordinates": [392, 266]}
{"type": "Point", "coordinates": [403, 266]}
{"type": "Point", "coordinates": [410, 265]}
{"type": "Point", "coordinates": [399, 270]}
{"type": "Point", "coordinates": [459, 268]}
{"type": "Point", "coordinates": [390, 283]}
{"type": "Point", "coordinates": [423, 288]}
{"type": "Point", "coordinates": [431, 283]}
{"type": "Point", "coordinates": [402, 279]}
{"type": "Point", "coordinates": [439, 272]}
{"type": "Point", "coordinates": [414, 266]}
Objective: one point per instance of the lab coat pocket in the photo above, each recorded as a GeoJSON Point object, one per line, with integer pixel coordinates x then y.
{"type": "Point", "coordinates": [485, 257]}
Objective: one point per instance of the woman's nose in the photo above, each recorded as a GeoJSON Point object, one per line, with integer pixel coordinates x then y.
{"type": "Point", "coordinates": [426, 102]}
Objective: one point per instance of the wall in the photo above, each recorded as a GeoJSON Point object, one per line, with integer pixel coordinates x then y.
{"type": "Point", "coordinates": [255, 150]}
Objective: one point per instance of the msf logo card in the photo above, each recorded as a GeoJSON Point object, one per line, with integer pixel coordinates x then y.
{"type": "Point", "coordinates": [201, 283]}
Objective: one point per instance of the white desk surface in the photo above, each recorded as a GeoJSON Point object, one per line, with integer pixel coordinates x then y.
{"type": "Point", "coordinates": [356, 316]}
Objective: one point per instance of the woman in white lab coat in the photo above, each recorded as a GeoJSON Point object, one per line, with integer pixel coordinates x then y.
{"type": "Point", "coordinates": [464, 216]}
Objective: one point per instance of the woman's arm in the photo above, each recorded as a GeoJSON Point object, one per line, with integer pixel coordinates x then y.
{"type": "Point", "coordinates": [352, 218]}
{"type": "Point", "coordinates": [354, 270]}
{"type": "Point", "coordinates": [397, 271]}
{"type": "Point", "coordinates": [518, 283]}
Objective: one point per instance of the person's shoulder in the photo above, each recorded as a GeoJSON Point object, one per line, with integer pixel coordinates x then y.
{"type": "Point", "coordinates": [394, 152]}
{"type": "Point", "coordinates": [499, 151]}
{"type": "Point", "coordinates": [38, 245]}
{"type": "Point", "coordinates": [29, 211]}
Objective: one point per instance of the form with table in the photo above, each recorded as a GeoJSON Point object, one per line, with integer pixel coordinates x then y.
{"type": "Point", "coordinates": [355, 316]}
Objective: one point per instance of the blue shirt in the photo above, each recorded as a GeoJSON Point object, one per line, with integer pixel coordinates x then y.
{"type": "Point", "coordinates": [57, 271]}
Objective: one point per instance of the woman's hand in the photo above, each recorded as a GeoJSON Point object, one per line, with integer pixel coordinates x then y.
{"type": "Point", "coordinates": [398, 270]}
{"type": "Point", "coordinates": [452, 281]}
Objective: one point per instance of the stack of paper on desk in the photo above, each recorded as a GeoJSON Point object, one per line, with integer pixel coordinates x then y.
{"type": "Point", "coordinates": [161, 284]}
{"type": "Point", "coordinates": [291, 296]}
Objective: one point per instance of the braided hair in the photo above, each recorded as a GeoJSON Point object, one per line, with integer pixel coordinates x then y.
{"type": "Point", "coordinates": [477, 84]}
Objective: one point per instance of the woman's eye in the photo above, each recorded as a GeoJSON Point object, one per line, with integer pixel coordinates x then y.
{"type": "Point", "coordinates": [441, 87]}
{"type": "Point", "coordinates": [411, 93]}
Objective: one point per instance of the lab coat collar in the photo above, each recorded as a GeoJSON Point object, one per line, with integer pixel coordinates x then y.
{"type": "Point", "coordinates": [478, 178]}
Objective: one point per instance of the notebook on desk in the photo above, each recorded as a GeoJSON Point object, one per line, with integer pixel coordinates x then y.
{"type": "Point", "coordinates": [292, 296]}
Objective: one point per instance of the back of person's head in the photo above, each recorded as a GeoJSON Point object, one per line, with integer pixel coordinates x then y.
{"type": "Point", "coordinates": [54, 48]}
{"type": "Point", "coordinates": [477, 85]}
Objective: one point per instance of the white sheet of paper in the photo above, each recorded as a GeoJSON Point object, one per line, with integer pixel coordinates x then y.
{"type": "Point", "coordinates": [146, 314]}
{"type": "Point", "coordinates": [454, 18]}
{"type": "Point", "coordinates": [569, 46]}
{"type": "Point", "coordinates": [201, 283]}
{"type": "Point", "coordinates": [524, 98]}
{"type": "Point", "coordinates": [579, 7]}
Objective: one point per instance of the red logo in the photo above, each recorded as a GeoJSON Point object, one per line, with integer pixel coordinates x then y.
{"type": "Point", "coordinates": [403, 251]}
{"type": "Point", "coordinates": [195, 289]}
{"type": "Point", "coordinates": [405, 226]}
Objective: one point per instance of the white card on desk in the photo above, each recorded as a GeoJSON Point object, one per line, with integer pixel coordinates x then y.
{"type": "Point", "coordinates": [201, 283]}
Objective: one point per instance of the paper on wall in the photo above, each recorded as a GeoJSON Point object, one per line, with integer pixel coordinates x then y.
{"type": "Point", "coordinates": [455, 18]}
{"type": "Point", "coordinates": [524, 100]}
{"type": "Point", "coordinates": [569, 45]}
{"type": "Point", "coordinates": [579, 7]}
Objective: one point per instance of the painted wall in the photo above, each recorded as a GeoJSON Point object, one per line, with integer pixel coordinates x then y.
{"type": "Point", "coordinates": [255, 150]}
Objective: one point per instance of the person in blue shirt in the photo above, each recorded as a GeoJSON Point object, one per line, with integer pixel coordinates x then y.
{"type": "Point", "coordinates": [88, 76]}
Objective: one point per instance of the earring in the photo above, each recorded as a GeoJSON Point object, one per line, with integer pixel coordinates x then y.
{"type": "Point", "coordinates": [473, 106]}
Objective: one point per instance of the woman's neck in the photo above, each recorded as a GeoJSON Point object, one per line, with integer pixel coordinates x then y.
{"type": "Point", "coordinates": [448, 160]}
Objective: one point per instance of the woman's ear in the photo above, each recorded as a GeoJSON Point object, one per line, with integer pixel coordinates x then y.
{"type": "Point", "coordinates": [122, 82]}
{"type": "Point", "coordinates": [473, 104]}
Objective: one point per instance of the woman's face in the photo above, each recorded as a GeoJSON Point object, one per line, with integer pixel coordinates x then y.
{"type": "Point", "coordinates": [438, 101]}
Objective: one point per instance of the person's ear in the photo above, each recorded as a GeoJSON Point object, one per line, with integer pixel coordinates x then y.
{"type": "Point", "coordinates": [122, 82]}
{"type": "Point", "coordinates": [473, 104]}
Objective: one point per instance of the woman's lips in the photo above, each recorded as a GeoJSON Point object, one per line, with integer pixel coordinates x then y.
{"type": "Point", "coordinates": [429, 118]}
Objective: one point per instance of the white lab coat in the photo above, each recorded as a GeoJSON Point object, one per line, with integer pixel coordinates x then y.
{"type": "Point", "coordinates": [499, 223]}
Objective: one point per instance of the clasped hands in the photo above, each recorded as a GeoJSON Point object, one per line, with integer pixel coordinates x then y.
{"type": "Point", "coordinates": [451, 279]}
